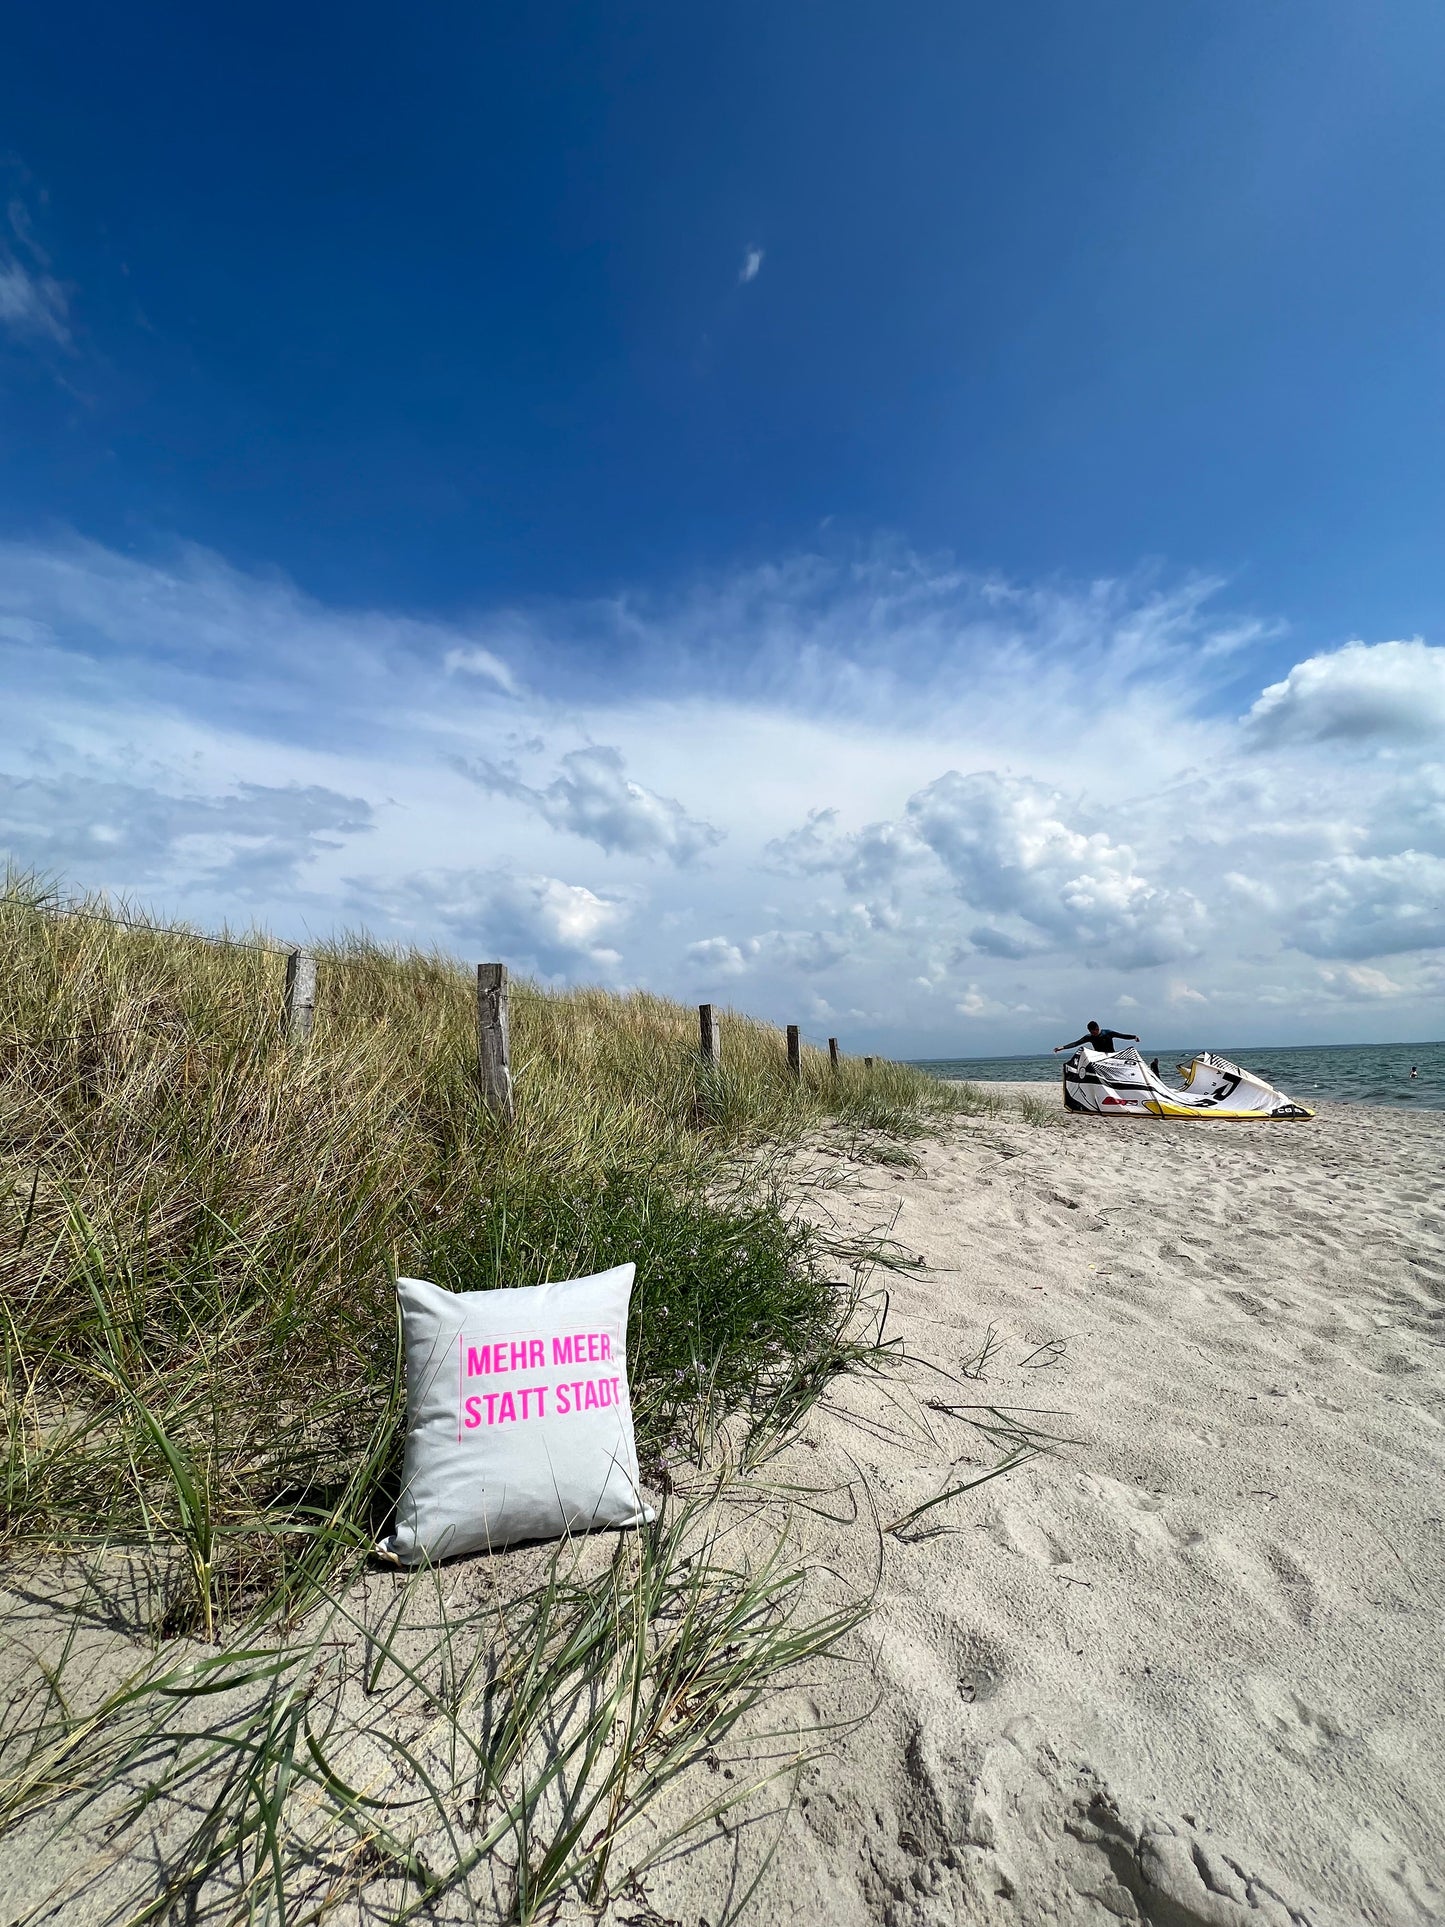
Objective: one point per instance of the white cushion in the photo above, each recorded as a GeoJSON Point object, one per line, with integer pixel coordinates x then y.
{"type": "Point", "coordinates": [519, 1423]}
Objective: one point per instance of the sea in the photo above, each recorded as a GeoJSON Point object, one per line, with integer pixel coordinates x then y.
{"type": "Point", "coordinates": [1339, 1073]}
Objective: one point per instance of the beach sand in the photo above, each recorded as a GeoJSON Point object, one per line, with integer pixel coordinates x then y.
{"type": "Point", "coordinates": [1189, 1669]}
{"type": "Point", "coordinates": [1184, 1668]}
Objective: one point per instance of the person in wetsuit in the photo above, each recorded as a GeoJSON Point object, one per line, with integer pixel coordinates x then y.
{"type": "Point", "coordinates": [1096, 1039]}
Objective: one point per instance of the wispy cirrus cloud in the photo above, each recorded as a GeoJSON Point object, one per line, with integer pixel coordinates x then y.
{"type": "Point", "coordinates": [34, 306]}
{"type": "Point", "coordinates": [752, 265]}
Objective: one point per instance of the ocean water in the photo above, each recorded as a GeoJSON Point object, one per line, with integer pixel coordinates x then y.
{"type": "Point", "coordinates": [1339, 1073]}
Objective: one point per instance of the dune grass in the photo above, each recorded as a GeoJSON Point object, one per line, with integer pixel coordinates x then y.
{"type": "Point", "coordinates": [200, 1229]}
{"type": "Point", "coordinates": [202, 1224]}
{"type": "Point", "coordinates": [447, 1758]}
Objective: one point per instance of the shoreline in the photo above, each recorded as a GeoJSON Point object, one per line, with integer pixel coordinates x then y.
{"type": "Point", "coordinates": [1407, 1101]}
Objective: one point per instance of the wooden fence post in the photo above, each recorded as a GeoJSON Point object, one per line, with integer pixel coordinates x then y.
{"type": "Point", "coordinates": [833, 1052]}
{"type": "Point", "coordinates": [300, 995]}
{"type": "Point", "coordinates": [709, 1035]}
{"type": "Point", "coordinates": [795, 1053]}
{"type": "Point", "coordinates": [494, 1037]}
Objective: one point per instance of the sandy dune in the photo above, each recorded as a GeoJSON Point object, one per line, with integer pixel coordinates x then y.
{"type": "Point", "coordinates": [1190, 1668]}
{"type": "Point", "coordinates": [1185, 1669]}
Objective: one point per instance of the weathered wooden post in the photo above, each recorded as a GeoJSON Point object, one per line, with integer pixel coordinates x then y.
{"type": "Point", "coordinates": [494, 1037]}
{"type": "Point", "coordinates": [710, 1035]}
{"type": "Point", "coordinates": [833, 1052]}
{"type": "Point", "coordinates": [795, 1053]}
{"type": "Point", "coordinates": [300, 995]}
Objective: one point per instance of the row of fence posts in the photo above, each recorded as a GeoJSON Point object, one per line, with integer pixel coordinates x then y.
{"type": "Point", "coordinates": [494, 1027]}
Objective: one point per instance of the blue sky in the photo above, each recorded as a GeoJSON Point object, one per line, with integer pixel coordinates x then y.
{"type": "Point", "coordinates": [926, 523]}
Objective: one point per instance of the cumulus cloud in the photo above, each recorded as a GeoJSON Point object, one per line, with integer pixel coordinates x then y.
{"type": "Point", "coordinates": [1361, 980]}
{"type": "Point", "coordinates": [795, 954]}
{"type": "Point", "coordinates": [751, 267]}
{"type": "Point", "coordinates": [1010, 851]}
{"type": "Point", "coordinates": [872, 861]}
{"type": "Point", "coordinates": [817, 844]}
{"type": "Point", "coordinates": [1017, 944]}
{"type": "Point", "coordinates": [1181, 993]}
{"type": "Point", "coordinates": [1365, 692]}
{"type": "Point", "coordinates": [537, 923]}
{"type": "Point", "coordinates": [176, 725]}
{"type": "Point", "coordinates": [1361, 906]}
{"type": "Point", "coordinates": [975, 1002]}
{"type": "Point", "coordinates": [593, 796]}
{"type": "Point", "coordinates": [716, 957]}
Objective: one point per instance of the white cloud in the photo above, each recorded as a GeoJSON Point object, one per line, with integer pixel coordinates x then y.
{"type": "Point", "coordinates": [1182, 993]}
{"type": "Point", "coordinates": [1250, 891]}
{"type": "Point", "coordinates": [716, 957]}
{"type": "Point", "coordinates": [880, 756]}
{"type": "Point", "coordinates": [1010, 851]}
{"type": "Point", "coordinates": [536, 923]}
{"type": "Point", "coordinates": [32, 306]}
{"type": "Point", "coordinates": [1365, 692]}
{"type": "Point", "coordinates": [1361, 980]}
{"type": "Point", "coordinates": [188, 631]}
{"type": "Point", "coordinates": [1372, 906]}
{"type": "Point", "coordinates": [474, 660]}
{"type": "Point", "coordinates": [592, 796]}
{"type": "Point", "coordinates": [248, 841]}
{"type": "Point", "coordinates": [752, 266]}
{"type": "Point", "coordinates": [975, 1002]}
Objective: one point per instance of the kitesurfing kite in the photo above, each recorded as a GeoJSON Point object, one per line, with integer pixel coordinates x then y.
{"type": "Point", "coordinates": [1121, 1084]}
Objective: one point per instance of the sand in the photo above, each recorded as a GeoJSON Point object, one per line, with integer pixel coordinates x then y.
{"type": "Point", "coordinates": [1189, 1669]}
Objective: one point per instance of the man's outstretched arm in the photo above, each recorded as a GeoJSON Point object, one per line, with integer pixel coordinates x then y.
{"type": "Point", "coordinates": [1085, 1039]}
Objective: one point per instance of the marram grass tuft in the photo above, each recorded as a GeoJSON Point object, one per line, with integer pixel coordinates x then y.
{"type": "Point", "coordinates": [201, 1225]}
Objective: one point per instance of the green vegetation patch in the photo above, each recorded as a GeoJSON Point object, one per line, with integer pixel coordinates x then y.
{"type": "Point", "coordinates": [202, 1223]}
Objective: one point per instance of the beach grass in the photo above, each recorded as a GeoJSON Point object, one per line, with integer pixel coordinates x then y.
{"type": "Point", "coordinates": [202, 1223]}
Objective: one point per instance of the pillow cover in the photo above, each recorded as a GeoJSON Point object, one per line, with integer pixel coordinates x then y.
{"type": "Point", "coordinates": [519, 1423]}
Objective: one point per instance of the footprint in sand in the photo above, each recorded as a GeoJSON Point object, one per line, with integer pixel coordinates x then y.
{"type": "Point", "coordinates": [982, 1668]}
{"type": "Point", "coordinates": [1395, 1873]}
{"type": "Point", "coordinates": [1297, 1585]}
{"type": "Point", "coordinates": [1248, 1302]}
{"type": "Point", "coordinates": [1016, 1533]}
{"type": "Point", "coordinates": [1290, 1721]}
{"type": "Point", "coordinates": [1143, 1515]}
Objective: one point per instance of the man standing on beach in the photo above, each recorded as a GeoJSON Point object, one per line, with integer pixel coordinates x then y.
{"type": "Point", "coordinates": [1096, 1039]}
